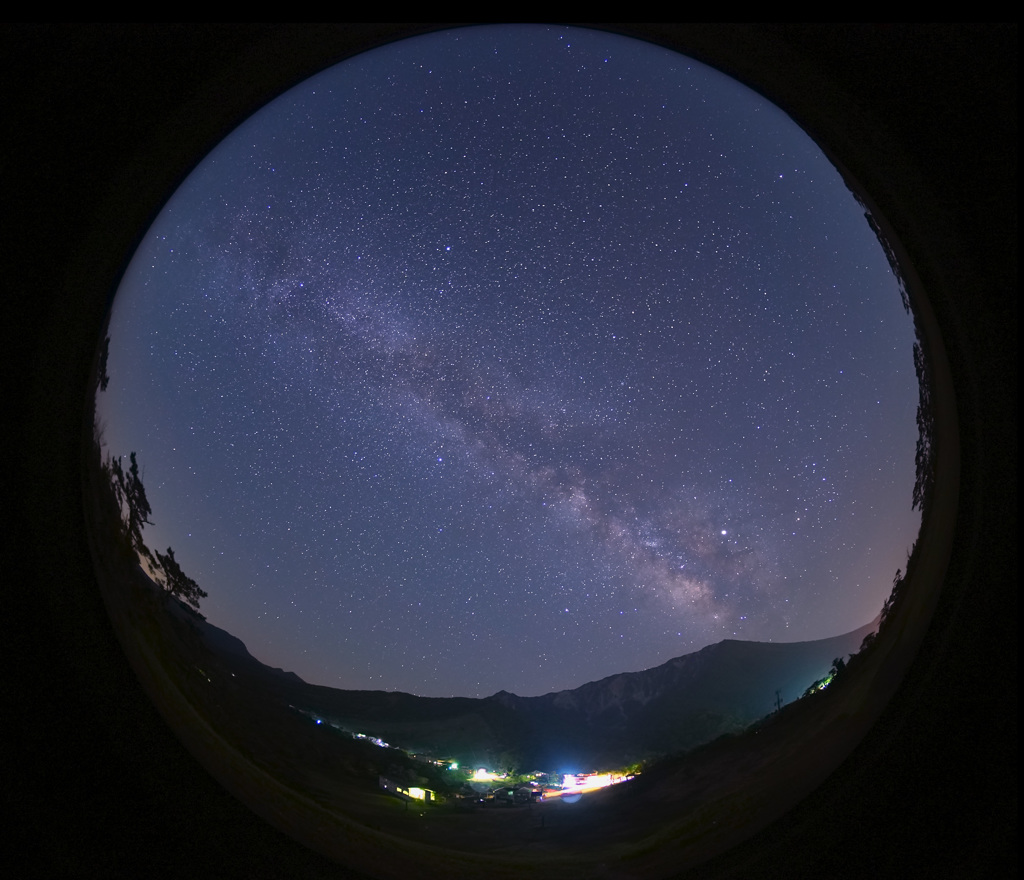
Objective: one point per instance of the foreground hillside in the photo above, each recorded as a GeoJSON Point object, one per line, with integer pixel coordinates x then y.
{"type": "Point", "coordinates": [254, 728]}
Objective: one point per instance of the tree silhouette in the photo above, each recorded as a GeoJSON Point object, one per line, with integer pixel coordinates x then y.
{"type": "Point", "coordinates": [510, 762]}
{"type": "Point", "coordinates": [117, 481]}
{"type": "Point", "coordinates": [102, 379]}
{"type": "Point", "coordinates": [179, 584]}
{"type": "Point", "coordinates": [139, 510]}
{"type": "Point", "coordinates": [134, 509]}
{"type": "Point", "coordinates": [924, 456]}
{"type": "Point", "coordinates": [815, 686]}
{"type": "Point", "coordinates": [130, 493]}
{"type": "Point", "coordinates": [894, 596]}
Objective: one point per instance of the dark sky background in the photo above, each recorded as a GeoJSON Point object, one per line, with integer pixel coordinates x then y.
{"type": "Point", "coordinates": [514, 357]}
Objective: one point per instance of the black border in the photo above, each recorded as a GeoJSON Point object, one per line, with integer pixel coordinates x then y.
{"type": "Point", "coordinates": [100, 122]}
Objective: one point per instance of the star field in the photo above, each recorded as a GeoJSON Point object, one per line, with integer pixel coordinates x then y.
{"type": "Point", "coordinates": [514, 357]}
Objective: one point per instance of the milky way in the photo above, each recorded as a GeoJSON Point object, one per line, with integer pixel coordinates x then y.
{"type": "Point", "coordinates": [514, 357]}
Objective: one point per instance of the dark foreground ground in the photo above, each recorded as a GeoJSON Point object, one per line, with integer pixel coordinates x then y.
{"type": "Point", "coordinates": [322, 787]}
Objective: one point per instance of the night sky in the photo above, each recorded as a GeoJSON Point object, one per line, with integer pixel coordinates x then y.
{"type": "Point", "coordinates": [514, 357]}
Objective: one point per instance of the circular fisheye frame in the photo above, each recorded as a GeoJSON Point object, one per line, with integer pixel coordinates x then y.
{"type": "Point", "coordinates": [499, 431]}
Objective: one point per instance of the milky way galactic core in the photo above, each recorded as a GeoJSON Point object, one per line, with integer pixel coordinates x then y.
{"type": "Point", "coordinates": [514, 357]}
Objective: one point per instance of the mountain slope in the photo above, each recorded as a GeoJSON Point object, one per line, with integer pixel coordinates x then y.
{"type": "Point", "coordinates": [680, 704]}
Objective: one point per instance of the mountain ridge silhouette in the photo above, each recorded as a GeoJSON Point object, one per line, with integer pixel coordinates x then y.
{"type": "Point", "coordinates": [678, 705]}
